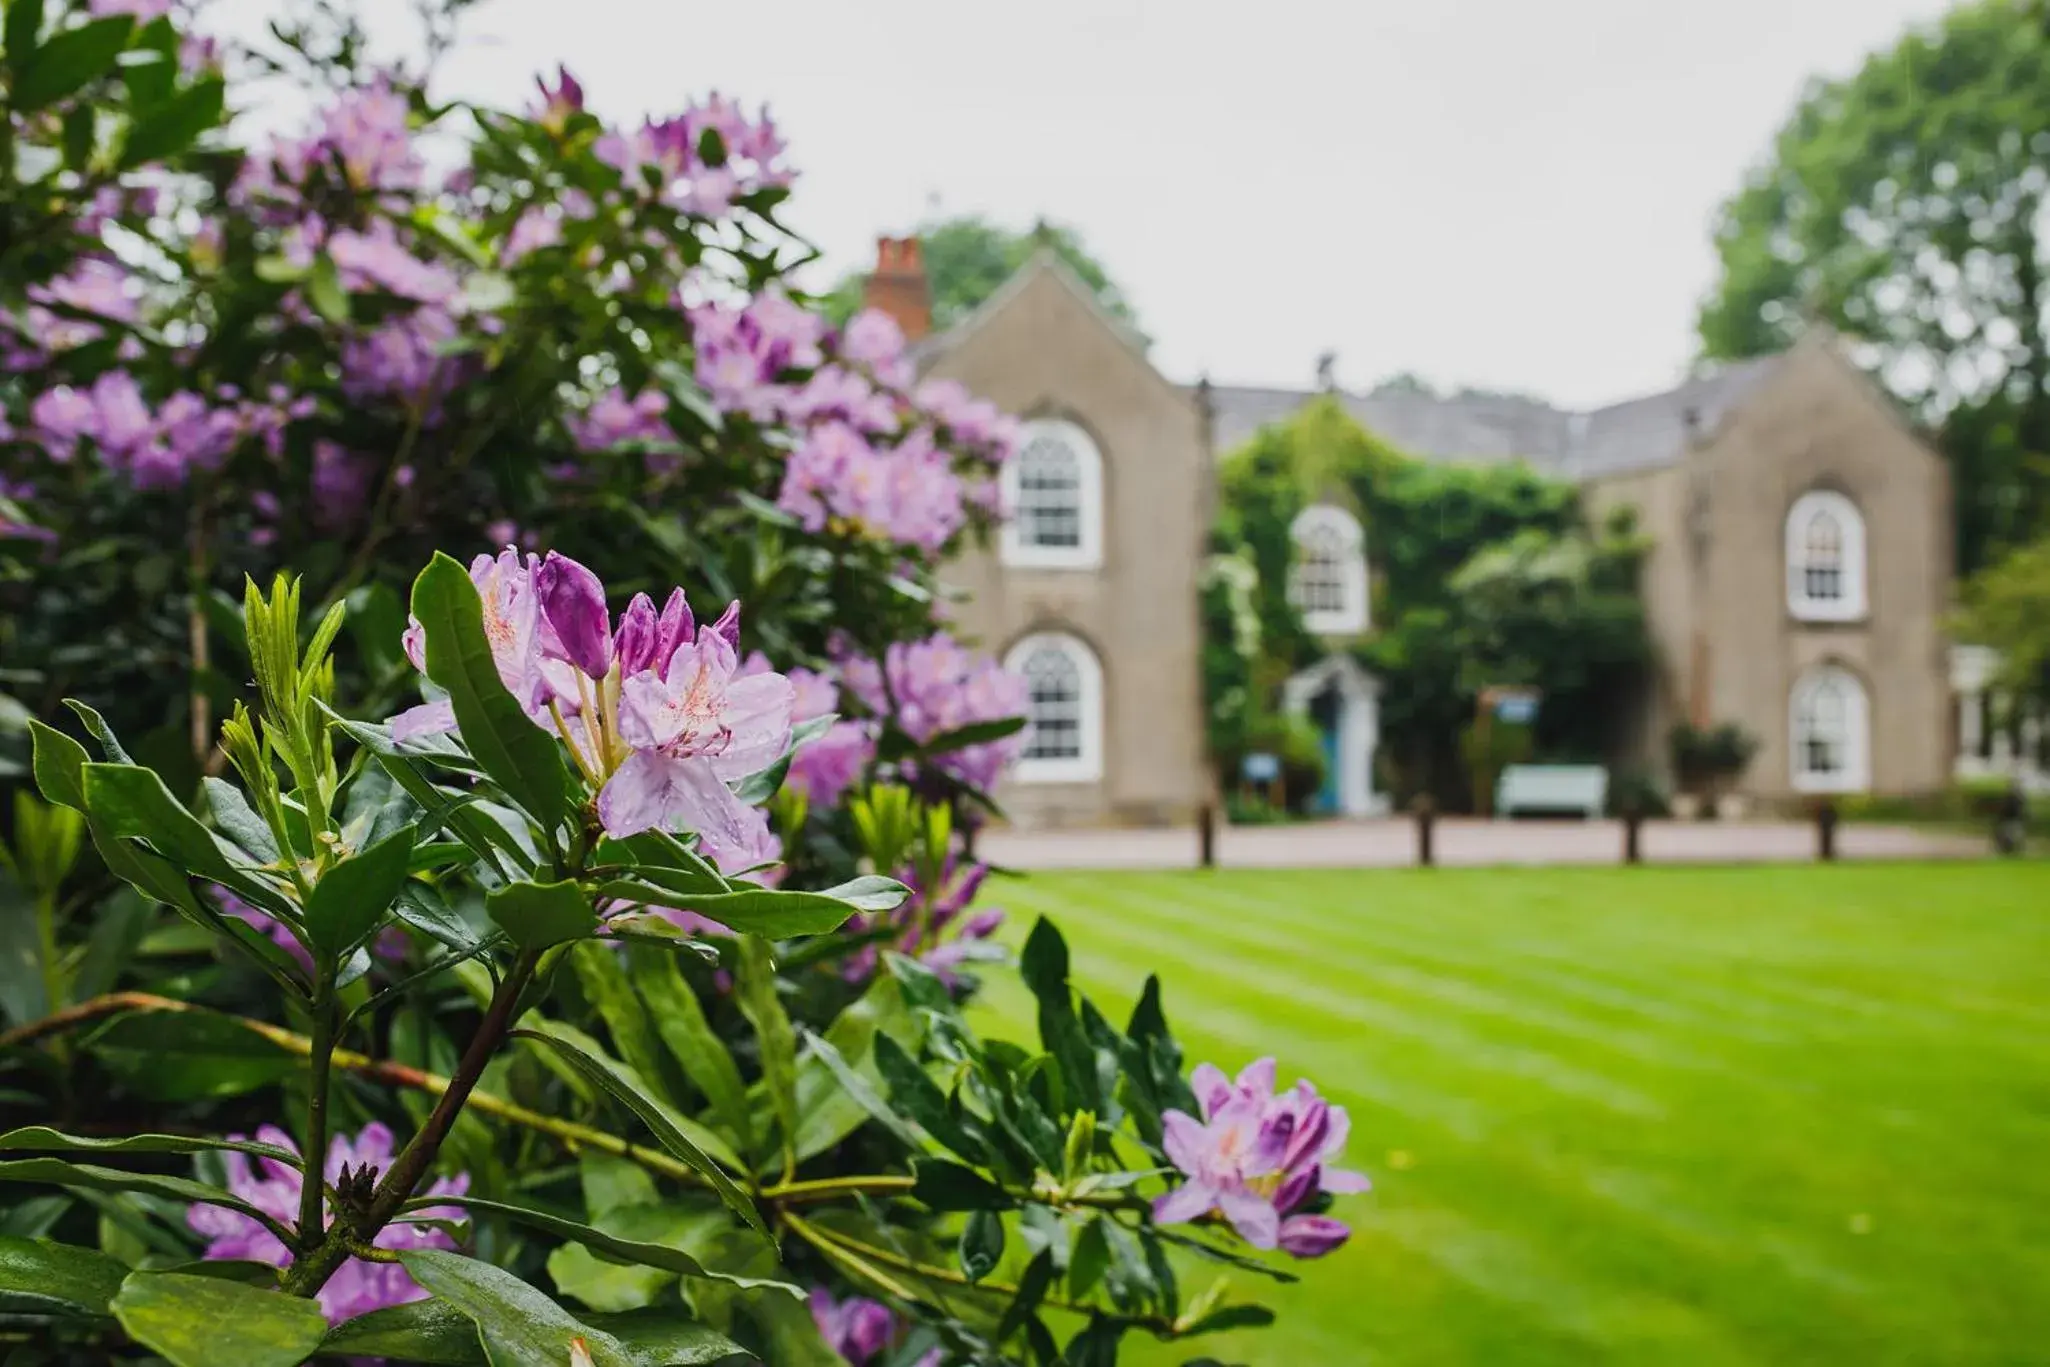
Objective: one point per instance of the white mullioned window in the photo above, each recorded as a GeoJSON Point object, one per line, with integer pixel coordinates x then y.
{"type": "Point", "coordinates": [1327, 583]}
{"type": "Point", "coordinates": [1825, 558]}
{"type": "Point", "coordinates": [1053, 490]}
{"type": "Point", "coordinates": [1063, 739]}
{"type": "Point", "coordinates": [1830, 732]}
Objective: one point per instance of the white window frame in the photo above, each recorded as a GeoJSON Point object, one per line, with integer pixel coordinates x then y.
{"type": "Point", "coordinates": [1856, 774]}
{"type": "Point", "coordinates": [1849, 605]}
{"type": "Point", "coordinates": [1087, 554]}
{"type": "Point", "coordinates": [1086, 766]}
{"type": "Point", "coordinates": [1349, 541]}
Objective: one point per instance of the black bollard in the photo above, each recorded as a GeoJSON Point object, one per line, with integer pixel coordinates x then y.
{"type": "Point", "coordinates": [1426, 818]}
{"type": "Point", "coordinates": [2010, 822]}
{"type": "Point", "coordinates": [1206, 836]}
{"type": "Point", "coordinates": [1633, 825]}
{"type": "Point", "coordinates": [1825, 831]}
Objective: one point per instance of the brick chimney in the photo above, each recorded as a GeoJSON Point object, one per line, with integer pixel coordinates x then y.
{"type": "Point", "coordinates": [898, 287]}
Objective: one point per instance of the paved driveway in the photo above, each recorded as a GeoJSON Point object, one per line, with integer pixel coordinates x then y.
{"type": "Point", "coordinates": [1465, 841]}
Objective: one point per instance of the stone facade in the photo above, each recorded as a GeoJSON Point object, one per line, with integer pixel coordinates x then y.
{"type": "Point", "coordinates": [1852, 697]}
{"type": "Point", "coordinates": [1043, 350]}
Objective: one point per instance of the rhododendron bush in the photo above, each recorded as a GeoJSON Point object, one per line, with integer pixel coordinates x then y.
{"type": "Point", "coordinates": [491, 875]}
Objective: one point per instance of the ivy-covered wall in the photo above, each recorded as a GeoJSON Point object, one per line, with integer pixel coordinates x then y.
{"type": "Point", "coordinates": [1480, 575]}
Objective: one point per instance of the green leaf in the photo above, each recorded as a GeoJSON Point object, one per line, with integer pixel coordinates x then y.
{"type": "Point", "coordinates": [918, 1097]}
{"type": "Point", "coordinates": [605, 983]}
{"type": "Point", "coordinates": [206, 1322]}
{"type": "Point", "coordinates": [524, 760]}
{"type": "Point", "coordinates": [352, 897]}
{"type": "Point", "coordinates": [680, 1020]}
{"type": "Point", "coordinates": [427, 911]}
{"type": "Point", "coordinates": [982, 1244]}
{"type": "Point", "coordinates": [518, 1326]}
{"type": "Point", "coordinates": [611, 1247]}
{"type": "Point", "coordinates": [772, 913]}
{"type": "Point", "coordinates": [1086, 1264]}
{"type": "Point", "coordinates": [438, 1334]}
{"type": "Point", "coordinates": [777, 1042]}
{"type": "Point", "coordinates": [324, 289]}
{"type": "Point", "coordinates": [239, 821]}
{"type": "Point", "coordinates": [110, 744]}
{"type": "Point", "coordinates": [68, 61]}
{"type": "Point", "coordinates": [56, 1172]}
{"type": "Point", "coordinates": [537, 915]}
{"type": "Point", "coordinates": [827, 1112]}
{"type": "Point", "coordinates": [129, 802]}
{"type": "Point", "coordinates": [174, 123]}
{"type": "Point", "coordinates": [279, 270]}
{"type": "Point", "coordinates": [1032, 1289]}
{"type": "Point", "coordinates": [624, 1087]}
{"type": "Point", "coordinates": [59, 764]}
{"type": "Point", "coordinates": [441, 807]}
{"type": "Point", "coordinates": [1245, 1316]}
{"type": "Point", "coordinates": [430, 1331]}
{"type": "Point", "coordinates": [43, 1139]}
{"type": "Point", "coordinates": [975, 733]}
{"type": "Point", "coordinates": [40, 1278]}
{"type": "Point", "coordinates": [24, 29]}
{"type": "Point", "coordinates": [862, 1091]}
{"type": "Point", "coordinates": [189, 1055]}
{"type": "Point", "coordinates": [950, 1186]}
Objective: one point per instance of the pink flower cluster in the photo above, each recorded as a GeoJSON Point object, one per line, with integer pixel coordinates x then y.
{"type": "Point", "coordinates": [159, 448]}
{"type": "Point", "coordinates": [613, 420]}
{"type": "Point", "coordinates": [940, 685]}
{"type": "Point", "coordinates": [1258, 1158]}
{"type": "Point", "coordinates": [273, 1187]}
{"type": "Point", "coordinates": [668, 158]}
{"type": "Point", "coordinates": [657, 711]}
{"type": "Point", "coordinates": [872, 454]}
{"type": "Point", "coordinates": [367, 132]}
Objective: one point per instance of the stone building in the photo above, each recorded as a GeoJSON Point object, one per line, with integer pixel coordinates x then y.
{"type": "Point", "coordinates": [1797, 586]}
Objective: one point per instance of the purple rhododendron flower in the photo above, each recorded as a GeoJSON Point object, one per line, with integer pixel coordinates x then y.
{"type": "Point", "coordinates": [1257, 1157]}
{"type": "Point", "coordinates": [939, 686]}
{"type": "Point", "coordinates": [856, 1328]}
{"type": "Point", "coordinates": [826, 766]}
{"type": "Point", "coordinates": [694, 727]}
{"type": "Point", "coordinates": [658, 712]}
{"type": "Point", "coordinates": [614, 420]}
{"type": "Point", "coordinates": [273, 1188]}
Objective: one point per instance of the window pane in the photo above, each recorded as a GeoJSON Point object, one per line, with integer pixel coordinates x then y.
{"type": "Point", "coordinates": [1054, 705]}
{"type": "Point", "coordinates": [1049, 511]}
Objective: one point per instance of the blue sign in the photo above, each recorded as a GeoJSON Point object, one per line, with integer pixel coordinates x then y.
{"type": "Point", "coordinates": [1517, 709]}
{"type": "Point", "coordinates": [1261, 768]}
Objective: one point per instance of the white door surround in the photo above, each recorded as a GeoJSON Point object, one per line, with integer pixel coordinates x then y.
{"type": "Point", "coordinates": [1359, 726]}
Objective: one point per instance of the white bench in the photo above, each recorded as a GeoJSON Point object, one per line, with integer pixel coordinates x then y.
{"type": "Point", "coordinates": [1582, 788]}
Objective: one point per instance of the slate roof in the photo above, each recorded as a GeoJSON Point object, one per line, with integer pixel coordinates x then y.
{"type": "Point", "coordinates": [1482, 428]}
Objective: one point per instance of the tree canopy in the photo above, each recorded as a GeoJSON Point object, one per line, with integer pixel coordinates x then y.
{"type": "Point", "coordinates": [968, 258]}
{"type": "Point", "coordinates": [1905, 206]}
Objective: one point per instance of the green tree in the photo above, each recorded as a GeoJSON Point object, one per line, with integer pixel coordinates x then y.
{"type": "Point", "coordinates": [968, 258]}
{"type": "Point", "coordinates": [1905, 206]}
{"type": "Point", "coordinates": [2007, 606]}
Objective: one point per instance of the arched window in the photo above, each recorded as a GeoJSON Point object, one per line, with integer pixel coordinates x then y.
{"type": "Point", "coordinates": [1063, 709]}
{"type": "Point", "coordinates": [1053, 489]}
{"type": "Point", "coordinates": [1830, 732]}
{"type": "Point", "coordinates": [1327, 584]}
{"type": "Point", "coordinates": [1825, 558]}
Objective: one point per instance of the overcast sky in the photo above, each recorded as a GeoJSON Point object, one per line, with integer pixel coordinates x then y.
{"type": "Point", "coordinates": [1508, 193]}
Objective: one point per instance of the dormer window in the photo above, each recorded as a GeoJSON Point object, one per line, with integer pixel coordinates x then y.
{"type": "Point", "coordinates": [1327, 583]}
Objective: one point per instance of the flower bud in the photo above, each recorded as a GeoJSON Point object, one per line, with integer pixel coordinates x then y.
{"type": "Point", "coordinates": [573, 601]}
{"type": "Point", "coordinates": [639, 631]}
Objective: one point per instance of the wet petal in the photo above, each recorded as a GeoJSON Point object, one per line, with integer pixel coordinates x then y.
{"type": "Point", "coordinates": [1251, 1215]}
{"type": "Point", "coordinates": [1184, 1203]}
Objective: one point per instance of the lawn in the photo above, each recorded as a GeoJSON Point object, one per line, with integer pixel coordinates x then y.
{"type": "Point", "coordinates": [1766, 1115]}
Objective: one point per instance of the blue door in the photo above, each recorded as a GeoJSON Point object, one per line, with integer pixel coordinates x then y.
{"type": "Point", "coordinates": [1325, 711]}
